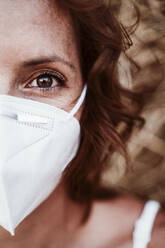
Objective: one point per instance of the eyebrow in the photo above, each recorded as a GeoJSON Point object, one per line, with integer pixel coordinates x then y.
{"type": "Point", "coordinates": [50, 59]}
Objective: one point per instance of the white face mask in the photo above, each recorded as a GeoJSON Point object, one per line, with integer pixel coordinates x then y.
{"type": "Point", "coordinates": [37, 142]}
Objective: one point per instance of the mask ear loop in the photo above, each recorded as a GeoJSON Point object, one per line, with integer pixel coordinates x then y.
{"type": "Point", "coordinates": [79, 102]}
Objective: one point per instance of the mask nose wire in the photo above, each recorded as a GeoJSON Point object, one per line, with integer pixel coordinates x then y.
{"type": "Point", "coordinates": [79, 102]}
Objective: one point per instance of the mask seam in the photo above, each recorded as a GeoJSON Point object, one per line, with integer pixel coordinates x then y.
{"type": "Point", "coordinates": [29, 113]}
{"type": "Point", "coordinates": [11, 157]}
{"type": "Point", "coordinates": [25, 112]}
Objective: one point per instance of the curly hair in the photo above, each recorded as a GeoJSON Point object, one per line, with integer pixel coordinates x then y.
{"type": "Point", "coordinates": [101, 40]}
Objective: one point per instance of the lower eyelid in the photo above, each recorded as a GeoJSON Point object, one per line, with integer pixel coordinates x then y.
{"type": "Point", "coordinates": [51, 93]}
{"type": "Point", "coordinates": [40, 90]}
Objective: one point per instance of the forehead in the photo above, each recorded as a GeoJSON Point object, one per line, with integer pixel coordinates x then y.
{"type": "Point", "coordinates": [34, 26]}
{"type": "Point", "coordinates": [37, 13]}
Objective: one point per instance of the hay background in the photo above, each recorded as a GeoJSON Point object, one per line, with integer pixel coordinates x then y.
{"type": "Point", "coordinates": [147, 146]}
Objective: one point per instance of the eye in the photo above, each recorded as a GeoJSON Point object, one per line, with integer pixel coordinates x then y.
{"type": "Point", "coordinates": [47, 81]}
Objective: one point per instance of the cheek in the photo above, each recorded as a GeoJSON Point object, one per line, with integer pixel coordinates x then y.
{"type": "Point", "coordinates": [79, 113]}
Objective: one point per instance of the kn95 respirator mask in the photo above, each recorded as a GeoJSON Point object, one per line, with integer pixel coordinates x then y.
{"type": "Point", "coordinates": [37, 142]}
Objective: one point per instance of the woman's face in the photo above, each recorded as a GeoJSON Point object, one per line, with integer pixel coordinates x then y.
{"type": "Point", "coordinates": [38, 53]}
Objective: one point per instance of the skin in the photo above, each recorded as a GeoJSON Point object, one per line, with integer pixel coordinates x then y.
{"type": "Point", "coordinates": [27, 37]}
{"type": "Point", "coordinates": [36, 30]}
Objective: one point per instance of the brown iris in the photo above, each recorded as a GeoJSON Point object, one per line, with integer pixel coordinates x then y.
{"type": "Point", "coordinates": [44, 82]}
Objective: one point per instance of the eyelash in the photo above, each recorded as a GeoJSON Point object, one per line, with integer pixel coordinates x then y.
{"type": "Point", "coordinates": [55, 75]}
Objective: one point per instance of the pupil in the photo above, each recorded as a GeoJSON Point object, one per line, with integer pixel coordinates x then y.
{"type": "Point", "coordinates": [44, 82]}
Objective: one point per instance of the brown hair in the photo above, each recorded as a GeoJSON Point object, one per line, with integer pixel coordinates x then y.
{"type": "Point", "coordinates": [102, 39]}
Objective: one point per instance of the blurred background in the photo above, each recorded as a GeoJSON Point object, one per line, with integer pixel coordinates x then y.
{"type": "Point", "coordinates": [146, 178]}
